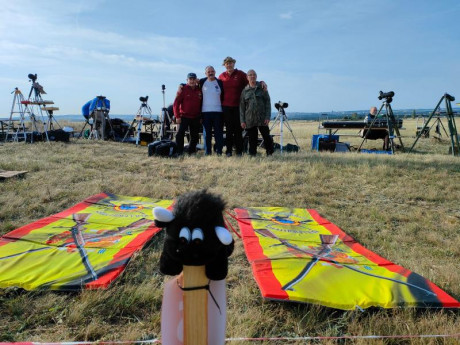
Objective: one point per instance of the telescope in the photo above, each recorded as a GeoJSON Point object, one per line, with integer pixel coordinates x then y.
{"type": "Point", "coordinates": [387, 95]}
{"type": "Point", "coordinates": [449, 97]}
{"type": "Point", "coordinates": [281, 105]}
{"type": "Point", "coordinates": [144, 99]}
{"type": "Point", "coordinates": [32, 77]}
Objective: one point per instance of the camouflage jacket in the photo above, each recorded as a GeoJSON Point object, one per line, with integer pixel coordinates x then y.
{"type": "Point", "coordinates": [255, 106]}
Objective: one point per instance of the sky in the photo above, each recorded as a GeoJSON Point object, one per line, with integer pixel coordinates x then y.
{"type": "Point", "coordinates": [316, 55]}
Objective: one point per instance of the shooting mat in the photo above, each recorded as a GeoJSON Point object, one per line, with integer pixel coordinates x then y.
{"type": "Point", "coordinates": [298, 256]}
{"type": "Point", "coordinates": [85, 246]}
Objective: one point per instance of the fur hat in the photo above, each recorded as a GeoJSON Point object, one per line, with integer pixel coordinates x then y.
{"type": "Point", "coordinates": [195, 235]}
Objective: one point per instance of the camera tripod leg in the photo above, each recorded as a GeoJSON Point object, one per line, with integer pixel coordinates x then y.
{"type": "Point", "coordinates": [165, 122]}
{"type": "Point", "coordinates": [288, 126]}
{"type": "Point", "coordinates": [82, 130]}
{"type": "Point", "coordinates": [426, 123]}
{"type": "Point", "coordinates": [282, 118]}
{"type": "Point", "coordinates": [129, 129]}
{"type": "Point", "coordinates": [370, 126]}
{"type": "Point", "coordinates": [138, 134]}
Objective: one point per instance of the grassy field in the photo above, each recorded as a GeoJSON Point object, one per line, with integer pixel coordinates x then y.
{"type": "Point", "coordinates": [404, 207]}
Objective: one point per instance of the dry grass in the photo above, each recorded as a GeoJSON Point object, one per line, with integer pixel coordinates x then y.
{"type": "Point", "coordinates": [403, 207]}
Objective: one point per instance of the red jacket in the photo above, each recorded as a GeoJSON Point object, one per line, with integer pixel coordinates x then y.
{"type": "Point", "coordinates": [188, 102]}
{"type": "Point", "coordinates": [233, 86]}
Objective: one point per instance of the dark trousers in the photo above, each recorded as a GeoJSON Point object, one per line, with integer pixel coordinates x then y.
{"type": "Point", "coordinates": [193, 125]}
{"type": "Point", "coordinates": [253, 135]}
{"type": "Point", "coordinates": [212, 120]}
{"type": "Point", "coordinates": [234, 132]}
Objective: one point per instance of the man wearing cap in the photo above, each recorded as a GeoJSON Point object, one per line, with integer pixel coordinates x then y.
{"type": "Point", "coordinates": [187, 110]}
{"type": "Point", "coordinates": [234, 82]}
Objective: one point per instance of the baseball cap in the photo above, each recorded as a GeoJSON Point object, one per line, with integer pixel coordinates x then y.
{"type": "Point", "coordinates": [228, 59]}
{"type": "Point", "coordinates": [191, 75]}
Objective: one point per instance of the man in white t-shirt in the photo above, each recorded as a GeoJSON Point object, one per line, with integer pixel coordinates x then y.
{"type": "Point", "coordinates": [211, 110]}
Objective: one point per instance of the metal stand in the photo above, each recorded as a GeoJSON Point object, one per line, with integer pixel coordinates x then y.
{"type": "Point", "coordinates": [144, 110]}
{"type": "Point", "coordinates": [282, 119]}
{"type": "Point", "coordinates": [43, 107]}
{"type": "Point", "coordinates": [87, 122]}
{"type": "Point", "coordinates": [101, 117]}
{"type": "Point", "coordinates": [392, 126]}
{"type": "Point", "coordinates": [454, 141]}
{"type": "Point", "coordinates": [18, 107]}
{"type": "Point", "coordinates": [165, 119]}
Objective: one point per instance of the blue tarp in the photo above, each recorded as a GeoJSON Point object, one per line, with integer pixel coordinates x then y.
{"type": "Point", "coordinates": [97, 102]}
{"type": "Point", "coordinates": [85, 109]}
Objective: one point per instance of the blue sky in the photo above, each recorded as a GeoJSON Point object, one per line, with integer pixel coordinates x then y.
{"type": "Point", "coordinates": [317, 55]}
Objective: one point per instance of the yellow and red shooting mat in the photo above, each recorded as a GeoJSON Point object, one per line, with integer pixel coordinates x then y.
{"type": "Point", "coordinates": [296, 255]}
{"type": "Point", "coordinates": [85, 246]}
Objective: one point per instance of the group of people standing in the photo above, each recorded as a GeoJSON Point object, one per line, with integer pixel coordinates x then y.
{"type": "Point", "coordinates": [234, 99]}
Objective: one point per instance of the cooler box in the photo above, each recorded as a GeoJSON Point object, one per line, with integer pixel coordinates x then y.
{"type": "Point", "coordinates": [324, 142]}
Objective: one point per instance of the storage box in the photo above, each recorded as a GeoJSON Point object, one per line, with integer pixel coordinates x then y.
{"type": "Point", "coordinates": [324, 142]}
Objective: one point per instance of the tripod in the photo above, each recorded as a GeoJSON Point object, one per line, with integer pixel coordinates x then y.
{"type": "Point", "coordinates": [19, 107]}
{"type": "Point", "coordinates": [144, 110]}
{"type": "Point", "coordinates": [35, 99]}
{"type": "Point", "coordinates": [85, 110]}
{"type": "Point", "coordinates": [392, 126]}
{"type": "Point", "coordinates": [454, 141]}
{"type": "Point", "coordinates": [282, 119]}
{"type": "Point", "coordinates": [100, 113]}
{"type": "Point", "coordinates": [87, 122]}
{"type": "Point", "coordinates": [165, 118]}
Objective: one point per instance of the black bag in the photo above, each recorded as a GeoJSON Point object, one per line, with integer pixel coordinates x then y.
{"type": "Point", "coordinates": [163, 148]}
{"type": "Point", "coordinates": [291, 148]}
{"type": "Point", "coordinates": [120, 128]}
{"type": "Point", "coordinates": [58, 135]}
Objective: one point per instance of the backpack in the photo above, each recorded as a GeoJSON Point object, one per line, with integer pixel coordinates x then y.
{"type": "Point", "coordinates": [291, 148]}
{"type": "Point", "coordinates": [163, 148]}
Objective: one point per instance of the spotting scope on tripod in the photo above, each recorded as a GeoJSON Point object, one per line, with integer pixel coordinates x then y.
{"type": "Point", "coordinates": [142, 117]}
{"type": "Point", "coordinates": [37, 106]}
{"type": "Point", "coordinates": [281, 117]}
{"type": "Point", "coordinates": [392, 127]}
{"type": "Point", "coordinates": [452, 126]}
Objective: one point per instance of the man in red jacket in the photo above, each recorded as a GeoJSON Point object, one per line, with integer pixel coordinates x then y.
{"type": "Point", "coordinates": [187, 110]}
{"type": "Point", "coordinates": [234, 82]}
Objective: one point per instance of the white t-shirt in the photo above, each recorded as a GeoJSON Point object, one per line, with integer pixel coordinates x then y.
{"type": "Point", "coordinates": [211, 96]}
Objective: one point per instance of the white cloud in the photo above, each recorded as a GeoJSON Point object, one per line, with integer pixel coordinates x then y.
{"type": "Point", "coordinates": [34, 43]}
{"type": "Point", "coordinates": [83, 61]}
{"type": "Point", "coordinates": [287, 15]}
{"type": "Point", "coordinates": [125, 49]}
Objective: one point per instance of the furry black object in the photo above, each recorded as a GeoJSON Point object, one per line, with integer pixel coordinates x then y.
{"type": "Point", "coordinates": [195, 235]}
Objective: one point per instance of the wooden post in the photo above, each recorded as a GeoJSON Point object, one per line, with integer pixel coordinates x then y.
{"type": "Point", "coordinates": [195, 306]}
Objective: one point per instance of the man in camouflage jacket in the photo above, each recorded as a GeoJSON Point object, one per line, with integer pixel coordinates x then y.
{"type": "Point", "coordinates": [255, 112]}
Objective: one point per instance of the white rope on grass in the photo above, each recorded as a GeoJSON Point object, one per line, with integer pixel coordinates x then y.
{"type": "Point", "coordinates": [352, 337]}
{"type": "Point", "coordinates": [157, 341]}
{"type": "Point", "coordinates": [151, 341]}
